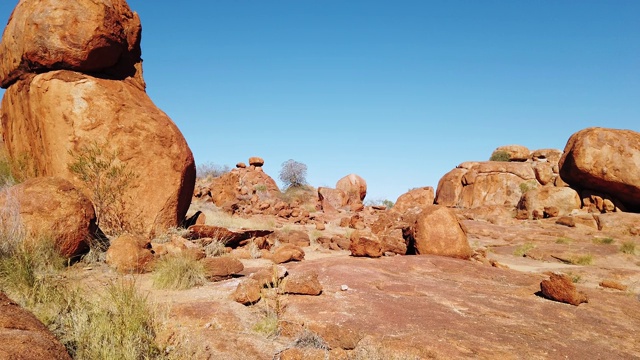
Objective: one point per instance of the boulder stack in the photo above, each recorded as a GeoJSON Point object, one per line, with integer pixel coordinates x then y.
{"type": "Point", "coordinates": [74, 81]}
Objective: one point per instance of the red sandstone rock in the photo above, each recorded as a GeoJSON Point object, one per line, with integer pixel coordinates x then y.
{"type": "Point", "coordinates": [438, 232]}
{"type": "Point", "coordinates": [604, 160]}
{"type": "Point", "coordinates": [562, 199]}
{"type": "Point", "coordinates": [355, 187]}
{"type": "Point", "coordinates": [91, 36]}
{"type": "Point", "coordinates": [302, 283]}
{"type": "Point", "coordinates": [222, 267]}
{"type": "Point", "coordinates": [52, 206]}
{"type": "Point", "coordinates": [54, 115]}
{"type": "Point", "coordinates": [364, 246]}
{"type": "Point", "coordinates": [418, 197]}
{"type": "Point", "coordinates": [249, 291]}
{"type": "Point", "coordinates": [516, 152]}
{"type": "Point", "coordinates": [24, 337]}
{"type": "Point", "coordinates": [286, 253]}
{"type": "Point", "coordinates": [331, 200]}
{"type": "Point", "coordinates": [129, 254]}
{"type": "Point", "coordinates": [560, 288]}
{"type": "Point", "coordinates": [256, 161]}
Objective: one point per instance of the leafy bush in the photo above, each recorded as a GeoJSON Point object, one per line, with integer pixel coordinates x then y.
{"type": "Point", "coordinates": [211, 170]}
{"type": "Point", "coordinates": [500, 155]}
{"type": "Point", "coordinates": [108, 181]}
{"type": "Point", "coordinates": [293, 173]}
{"type": "Point", "coordinates": [178, 273]}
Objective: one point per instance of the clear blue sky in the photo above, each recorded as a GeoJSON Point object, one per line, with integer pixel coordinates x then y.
{"type": "Point", "coordinates": [399, 92]}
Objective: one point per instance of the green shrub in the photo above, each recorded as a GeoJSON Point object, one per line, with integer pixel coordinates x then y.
{"type": "Point", "coordinates": [529, 185]}
{"type": "Point", "coordinates": [500, 155]}
{"type": "Point", "coordinates": [178, 273]}
{"type": "Point", "coordinates": [108, 180]}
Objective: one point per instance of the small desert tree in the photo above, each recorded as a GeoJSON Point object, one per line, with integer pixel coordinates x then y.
{"type": "Point", "coordinates": [293, 173]}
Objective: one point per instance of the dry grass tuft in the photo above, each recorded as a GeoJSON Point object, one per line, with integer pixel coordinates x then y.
{"type": "Point", "coordinates": [178, 273]}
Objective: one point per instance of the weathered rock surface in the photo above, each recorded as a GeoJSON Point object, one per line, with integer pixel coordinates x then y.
{"type": "Point", "coordinates": [364, 246]}
{"type": "Point", "coordinates": [516, 152]}
{"type": "Point", "coordinates": [221, 267]}
{"type": "Point", "coordinates": [331, 200]}
{"type": "Point", "coordinates": [559, 287]}
{"type": "Point", "coordinates": [485, 184]}
{"type": "Point", "coordinates": [302, 283]}
{"type": "Point", "coordinates": [537, 202]}
{"type": "Point", "coordinates": [52, 206]}
{"type": "Point", "coordinates": [355, 187]}
{"type": "Point", "coordinates": [438, 232]}
{"type": "Point", "coordinates": [54, 115]}
{"type": "Point", "coordinates": [130, 254]}
{"type": "Point", "coordinates": [286, 253]}
{"type": "Point", "coordinates": [23, 337]}
{"type": "Point", "coordinates": [243, 188]}
{"type": "Point", "coordinates": [418, 197]}
{"type": "Point", "coordinates": [604, 160]}
{"type": "Point", "coordinates": [231, 238]}
{"type": "Point", "coordinates": [104, 38]}
{"type": "Point", "coordinates": [249, 291]}
{"type": "Point", "coordinates": [502, 321]}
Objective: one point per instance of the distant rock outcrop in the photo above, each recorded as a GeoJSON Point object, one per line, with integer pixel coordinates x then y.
{"type": "Point", "coordinates": [606, 161]}
{"type": "Point", "coordinates": [355, 187]}
{"type": "Point", "coordinates": [73, 87]}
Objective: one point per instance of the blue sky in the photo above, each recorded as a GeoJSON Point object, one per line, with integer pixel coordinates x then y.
{"type": "Point", "coordinates": [399, 92]}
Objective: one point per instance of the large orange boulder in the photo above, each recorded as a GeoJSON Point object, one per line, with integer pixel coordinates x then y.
{"type": "Point", "coordinates": [515, 152]}
{"type": "Point", "coordinates": [82, 35]}
{"type": "Point", "coordinates": [355, 187]}
{"type": "Point", "coordinates": [472, 185]}
{"type": "Point", "coordinates": [604, 160]}
{"type": "Point", "coordinates": [536, 202]}
{"type": "Point", "coordinates": [437, 231]}
{"type": "Point", "coordinates": [239, 186]}
{"type": "Point", "coordinates": [54, 115]}
{"type": "Point", "coordinates": [24, 337]}
{"type": "Point", "coordinates": [331, 200]}
{"type": "Point", "coordinates": [52, 207]}
{"type": "Point", "coordinates": [418, 197]}
{"type": "Point", "coordinates": [130, 254]}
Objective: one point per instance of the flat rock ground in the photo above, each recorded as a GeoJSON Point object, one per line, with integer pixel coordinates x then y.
{"type": "Point", "coordinates": [428, 307]}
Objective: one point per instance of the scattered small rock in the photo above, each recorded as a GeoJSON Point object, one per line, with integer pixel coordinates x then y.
{"type": "Point", "coordinates": [560, 288]}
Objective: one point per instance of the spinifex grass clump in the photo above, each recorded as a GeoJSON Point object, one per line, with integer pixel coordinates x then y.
{"type": "Point", "coordinates": [178, 273]}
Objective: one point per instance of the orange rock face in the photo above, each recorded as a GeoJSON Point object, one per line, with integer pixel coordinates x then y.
{"type": "Point", "coordinates": [560, 288]}
{"type": "Point", "coordinates": [51, 116]}
{"type": "Point", "coordinates": [24, 337]}
{"type": "Point", "coordinates": [82, 35]}
{"type": "Point", "coordinates": [355, 187]}
{"type": "Point", "coordinates": [604, 160]}
{"type": "Point", "coordinates": [438, 232]}
{"type": "Point", "coordinates": [418, 197]}
{"type": "Point", "coordinates": [53, 207]}
{"type": "Point", "coordinates": [129, 254]}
